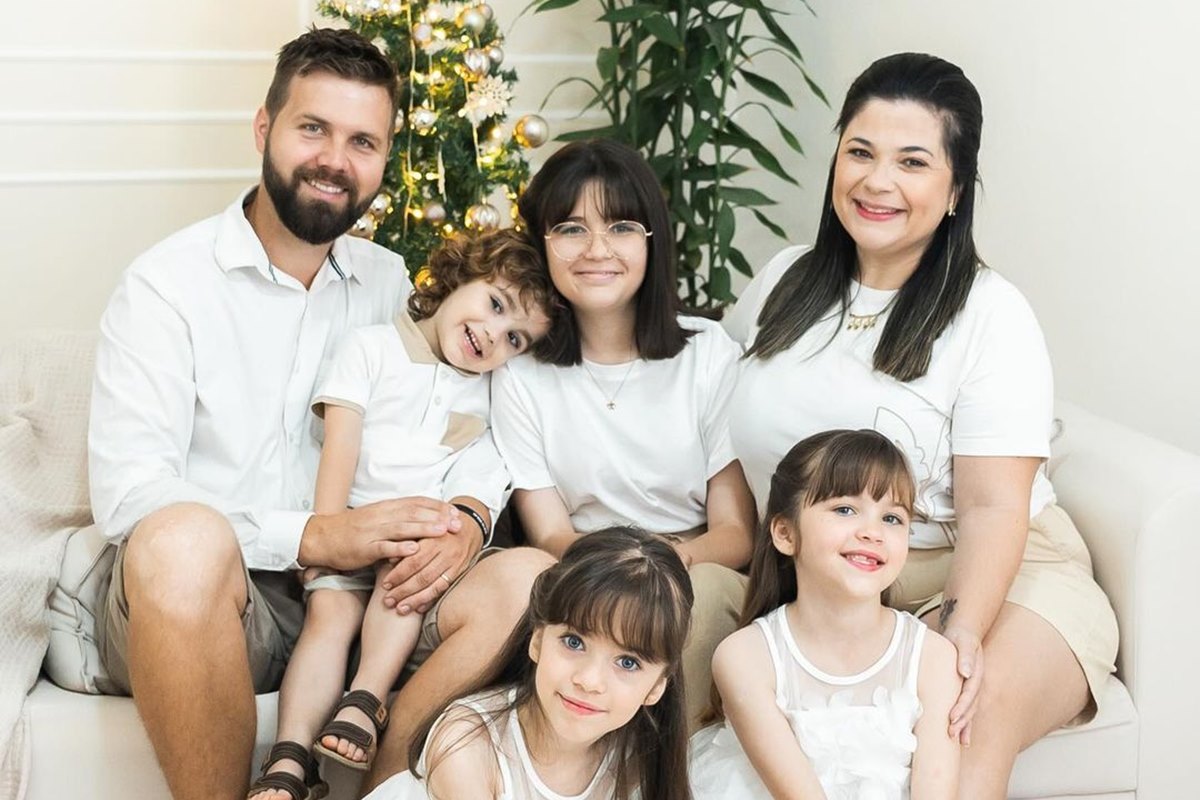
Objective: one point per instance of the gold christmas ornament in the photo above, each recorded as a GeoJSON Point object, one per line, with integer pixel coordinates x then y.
{"type": "Point", "coordinates": [423, 119]}
{"type": "Point", "coordinates": [482, 217]}
{"type": "Point", "coordinates": [495, 54]}
{"type": "Point", "coordinates": [424, 277]}
{"type": "Point", "coordinates": [531, 131]}
{"type": "Point", "coordinates": [434, 212]}
{"type": "Point", "coordinates": [489, 151]}
{"type": "Point", "coordinates": [381, 204]}
{"type": "Point", "coordinates": [486, 10]}
{"type": "Point", "coordinates": [422, 33]}
{"type": "Point", "coordinates": [472, 19]}
{"type": "Point", "coordinates": [364, 227]}
{"type": "Point", "coordinates": [435, 12]}
{"type": "Point", "coordinates": [476, 63]}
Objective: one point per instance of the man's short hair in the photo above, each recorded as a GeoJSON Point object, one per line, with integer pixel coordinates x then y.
{"type": "Point", "coordinates": [340, 52]}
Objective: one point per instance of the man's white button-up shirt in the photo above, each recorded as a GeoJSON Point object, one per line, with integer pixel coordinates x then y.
{"type": "Point", "coordinates": [204, 376]}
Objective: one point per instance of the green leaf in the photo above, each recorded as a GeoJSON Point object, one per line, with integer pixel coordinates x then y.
{"type": "Point", "coordinates": [738, 259]}
{"type": "Point", "coordinates": [709, 172]}
{"type": "Point", "coordinates": [607, 132]}
{"type": "Point", "coordinates": [767, 87]}
{"type": "Point", "coordinates": [725, 226]}
{"type": "Point", "coordinates": [779, 34]}
{"type": "Point", "coordinates": [607, 59]}
{"type": "Point", "coordinates": [789, 137]}
{"type": "Point", "coordinates": [720, 289]}
{"type": "Point", "coordinates": [745, 197]}
{"type": "Point", "coordinates": [550, 5]}
{"type": "Point", "coordinates": [771, 164]}
{"type": "Point", "coordinates": [768, 224]}
{"type": "Point", "coordinates": [632, 13]}
{"type": "Point", "coordinates": [816, 90]}
{"type": "Point", "coordinates": [697, 136]}
{"type": "Point", "coordinates": [661, 28]}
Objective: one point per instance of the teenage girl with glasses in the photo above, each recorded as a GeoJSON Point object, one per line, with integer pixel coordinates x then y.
{"type": "Point", "coordinates": [621, 414]}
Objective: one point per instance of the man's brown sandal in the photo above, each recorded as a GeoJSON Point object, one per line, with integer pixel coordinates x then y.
{"type": "Point", "coordinates": [370, 705]}
{"type": "Point", "coordinates": [311, 788]}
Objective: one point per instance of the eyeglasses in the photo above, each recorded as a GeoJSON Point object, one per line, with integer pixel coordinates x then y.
{"type": "Point", "coordinates": [624, 239]}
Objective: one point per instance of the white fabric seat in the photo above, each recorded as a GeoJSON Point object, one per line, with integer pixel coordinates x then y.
{"type": "Point", "coordinates": [1133, 498]}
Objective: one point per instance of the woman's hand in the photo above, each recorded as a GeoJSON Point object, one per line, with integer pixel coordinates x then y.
{"type": "Point", "coordinates": [970, 667]}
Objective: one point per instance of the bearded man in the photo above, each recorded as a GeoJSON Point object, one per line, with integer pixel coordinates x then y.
{"type": "Point", "coordinates": [202, 450]}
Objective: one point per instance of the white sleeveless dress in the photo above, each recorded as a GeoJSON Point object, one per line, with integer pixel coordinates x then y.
{"type": "Point", "coordinates": [856, 730]}
{"type": "Point", "coordinates": [518, 778]}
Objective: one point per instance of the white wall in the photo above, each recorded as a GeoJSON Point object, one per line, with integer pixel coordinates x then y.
{"type": "Point", "coordinates": [125, 120]}
{"type": "Point", "coordinates": [122, 121]}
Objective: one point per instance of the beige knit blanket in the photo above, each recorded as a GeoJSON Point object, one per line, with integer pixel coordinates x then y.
{"type": "Point", "coordinates": [45, 381]}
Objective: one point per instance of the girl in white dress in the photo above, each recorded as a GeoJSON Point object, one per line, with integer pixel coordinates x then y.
{"type": "Point", "coordinates": [831, 694]}
{"type": "Point", "coordinates": [585, 701]}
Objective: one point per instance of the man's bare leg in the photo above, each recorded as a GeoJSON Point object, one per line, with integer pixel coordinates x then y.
{"type": "Point", "coordinates": [474, 621]}
{"type": "Point", "coordinates": [187, 658]}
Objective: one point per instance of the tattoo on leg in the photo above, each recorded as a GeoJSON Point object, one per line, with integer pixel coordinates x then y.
{"type": "Point", "coordinates": [946, 610]}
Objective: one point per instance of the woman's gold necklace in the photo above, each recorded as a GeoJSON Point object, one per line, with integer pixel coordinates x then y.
{"type": "Point", "coordinates": [863, 322]}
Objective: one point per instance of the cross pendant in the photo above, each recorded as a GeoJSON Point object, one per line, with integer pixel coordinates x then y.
{"type": "Point", "coordinates": [611, 405]}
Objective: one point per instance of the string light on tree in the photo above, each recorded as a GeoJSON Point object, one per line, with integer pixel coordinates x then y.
{"type": "Point", "coordinates": [453, 149]}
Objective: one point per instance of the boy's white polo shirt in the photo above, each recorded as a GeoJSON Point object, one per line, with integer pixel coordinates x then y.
{"type": "Point", "coordinates": [646, 461]}
{"type": "Point", "coordinates": [424, 423]}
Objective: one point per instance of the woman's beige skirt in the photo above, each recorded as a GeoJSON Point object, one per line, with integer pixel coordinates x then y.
{"type": "Point", "coordinates": [1054, 581]}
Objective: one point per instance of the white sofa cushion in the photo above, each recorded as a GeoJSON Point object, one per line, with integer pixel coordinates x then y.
{"type": "Point", "coordinates": [1090, 759]}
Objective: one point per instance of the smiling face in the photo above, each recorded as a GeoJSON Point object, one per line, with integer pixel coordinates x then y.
{"type": "Point", "coordinates": [599, 280]}
{"type": "Point", "coordinates": [588, 685]}
{"type": "Point", "coordinates": [892, 184]}
{"type": "Point", "coordinates": [324, 153]}
{"type": "Point", "coordinates": [482, 324]}
{"type": "Point", "coordinates": [855, 543]}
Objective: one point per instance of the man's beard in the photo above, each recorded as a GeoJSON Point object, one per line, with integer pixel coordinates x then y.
{"type": "Point", "coordinates": [313, 221]}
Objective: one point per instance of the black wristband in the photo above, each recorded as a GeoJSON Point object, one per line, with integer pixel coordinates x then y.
{"type": "Point", "coordinates": [475, 515]}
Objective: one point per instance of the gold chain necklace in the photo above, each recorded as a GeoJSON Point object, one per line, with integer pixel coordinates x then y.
{"type": "Point", "coordinates": [863, 322]}
{"type": "Point", "coordinates": [610, 400]}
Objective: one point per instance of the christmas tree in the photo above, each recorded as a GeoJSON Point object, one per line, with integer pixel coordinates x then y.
{"type": "Point", "coordinates": [453, 149]}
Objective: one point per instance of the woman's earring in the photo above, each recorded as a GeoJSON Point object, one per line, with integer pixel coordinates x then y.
{"type": "Point", "coordinates": [950, 210]}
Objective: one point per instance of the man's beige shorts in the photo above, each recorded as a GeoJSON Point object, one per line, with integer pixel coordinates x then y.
{"type": "Point", "coordinates": [271, 621]}
{"type": "Point", "coordinates": [1054, 581]}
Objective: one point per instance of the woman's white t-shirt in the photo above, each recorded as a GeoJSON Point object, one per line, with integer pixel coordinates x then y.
{"type": "Point", "coordinates": [647, 460]}
{"type": "Point", "coordinates": [988, 392]}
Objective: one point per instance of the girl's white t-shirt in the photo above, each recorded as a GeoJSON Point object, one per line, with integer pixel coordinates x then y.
{"type": "Point", "coordinates": [988, 392]}
{"type": "Point", "coordinates": [647, 460]}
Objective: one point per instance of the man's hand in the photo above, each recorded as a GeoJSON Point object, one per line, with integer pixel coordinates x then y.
{"type": "Point", "coordinates": [357, 537]}
{"type": "Point", "coordinates": [419, 580]}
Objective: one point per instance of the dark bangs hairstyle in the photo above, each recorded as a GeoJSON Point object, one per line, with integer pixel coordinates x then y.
{"type": "Point", "coordinates": [625, 189]}
{"type": "Point", "coordinates": [340, 52]}
{"type": "Point", "coordinates": [938, 289]}
{"type": "Point", "coordinates": [835, 463]}
{"type": "Point", "coordinates": [631, 587]}
{"type": "Point", "coordinates": [505, 254]}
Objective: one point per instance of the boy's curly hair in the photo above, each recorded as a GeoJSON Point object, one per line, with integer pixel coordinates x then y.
{"type": "Point", "coordinates": [506, 254]}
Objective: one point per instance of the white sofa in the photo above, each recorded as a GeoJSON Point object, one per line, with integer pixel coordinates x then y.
{"type": "Point", "coordinates": [1135, 500]}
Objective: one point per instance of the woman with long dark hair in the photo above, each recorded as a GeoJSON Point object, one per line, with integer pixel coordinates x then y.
{"type": "Point", "coordinates": [621, 414]}
{"type": "Point", "coordinates": [891, 321]}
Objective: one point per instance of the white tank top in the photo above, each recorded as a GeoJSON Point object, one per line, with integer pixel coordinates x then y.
{"type": "Point", "coordinates": [520, 780]}
{"type": "Point", "coordinates": [857, 730]}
